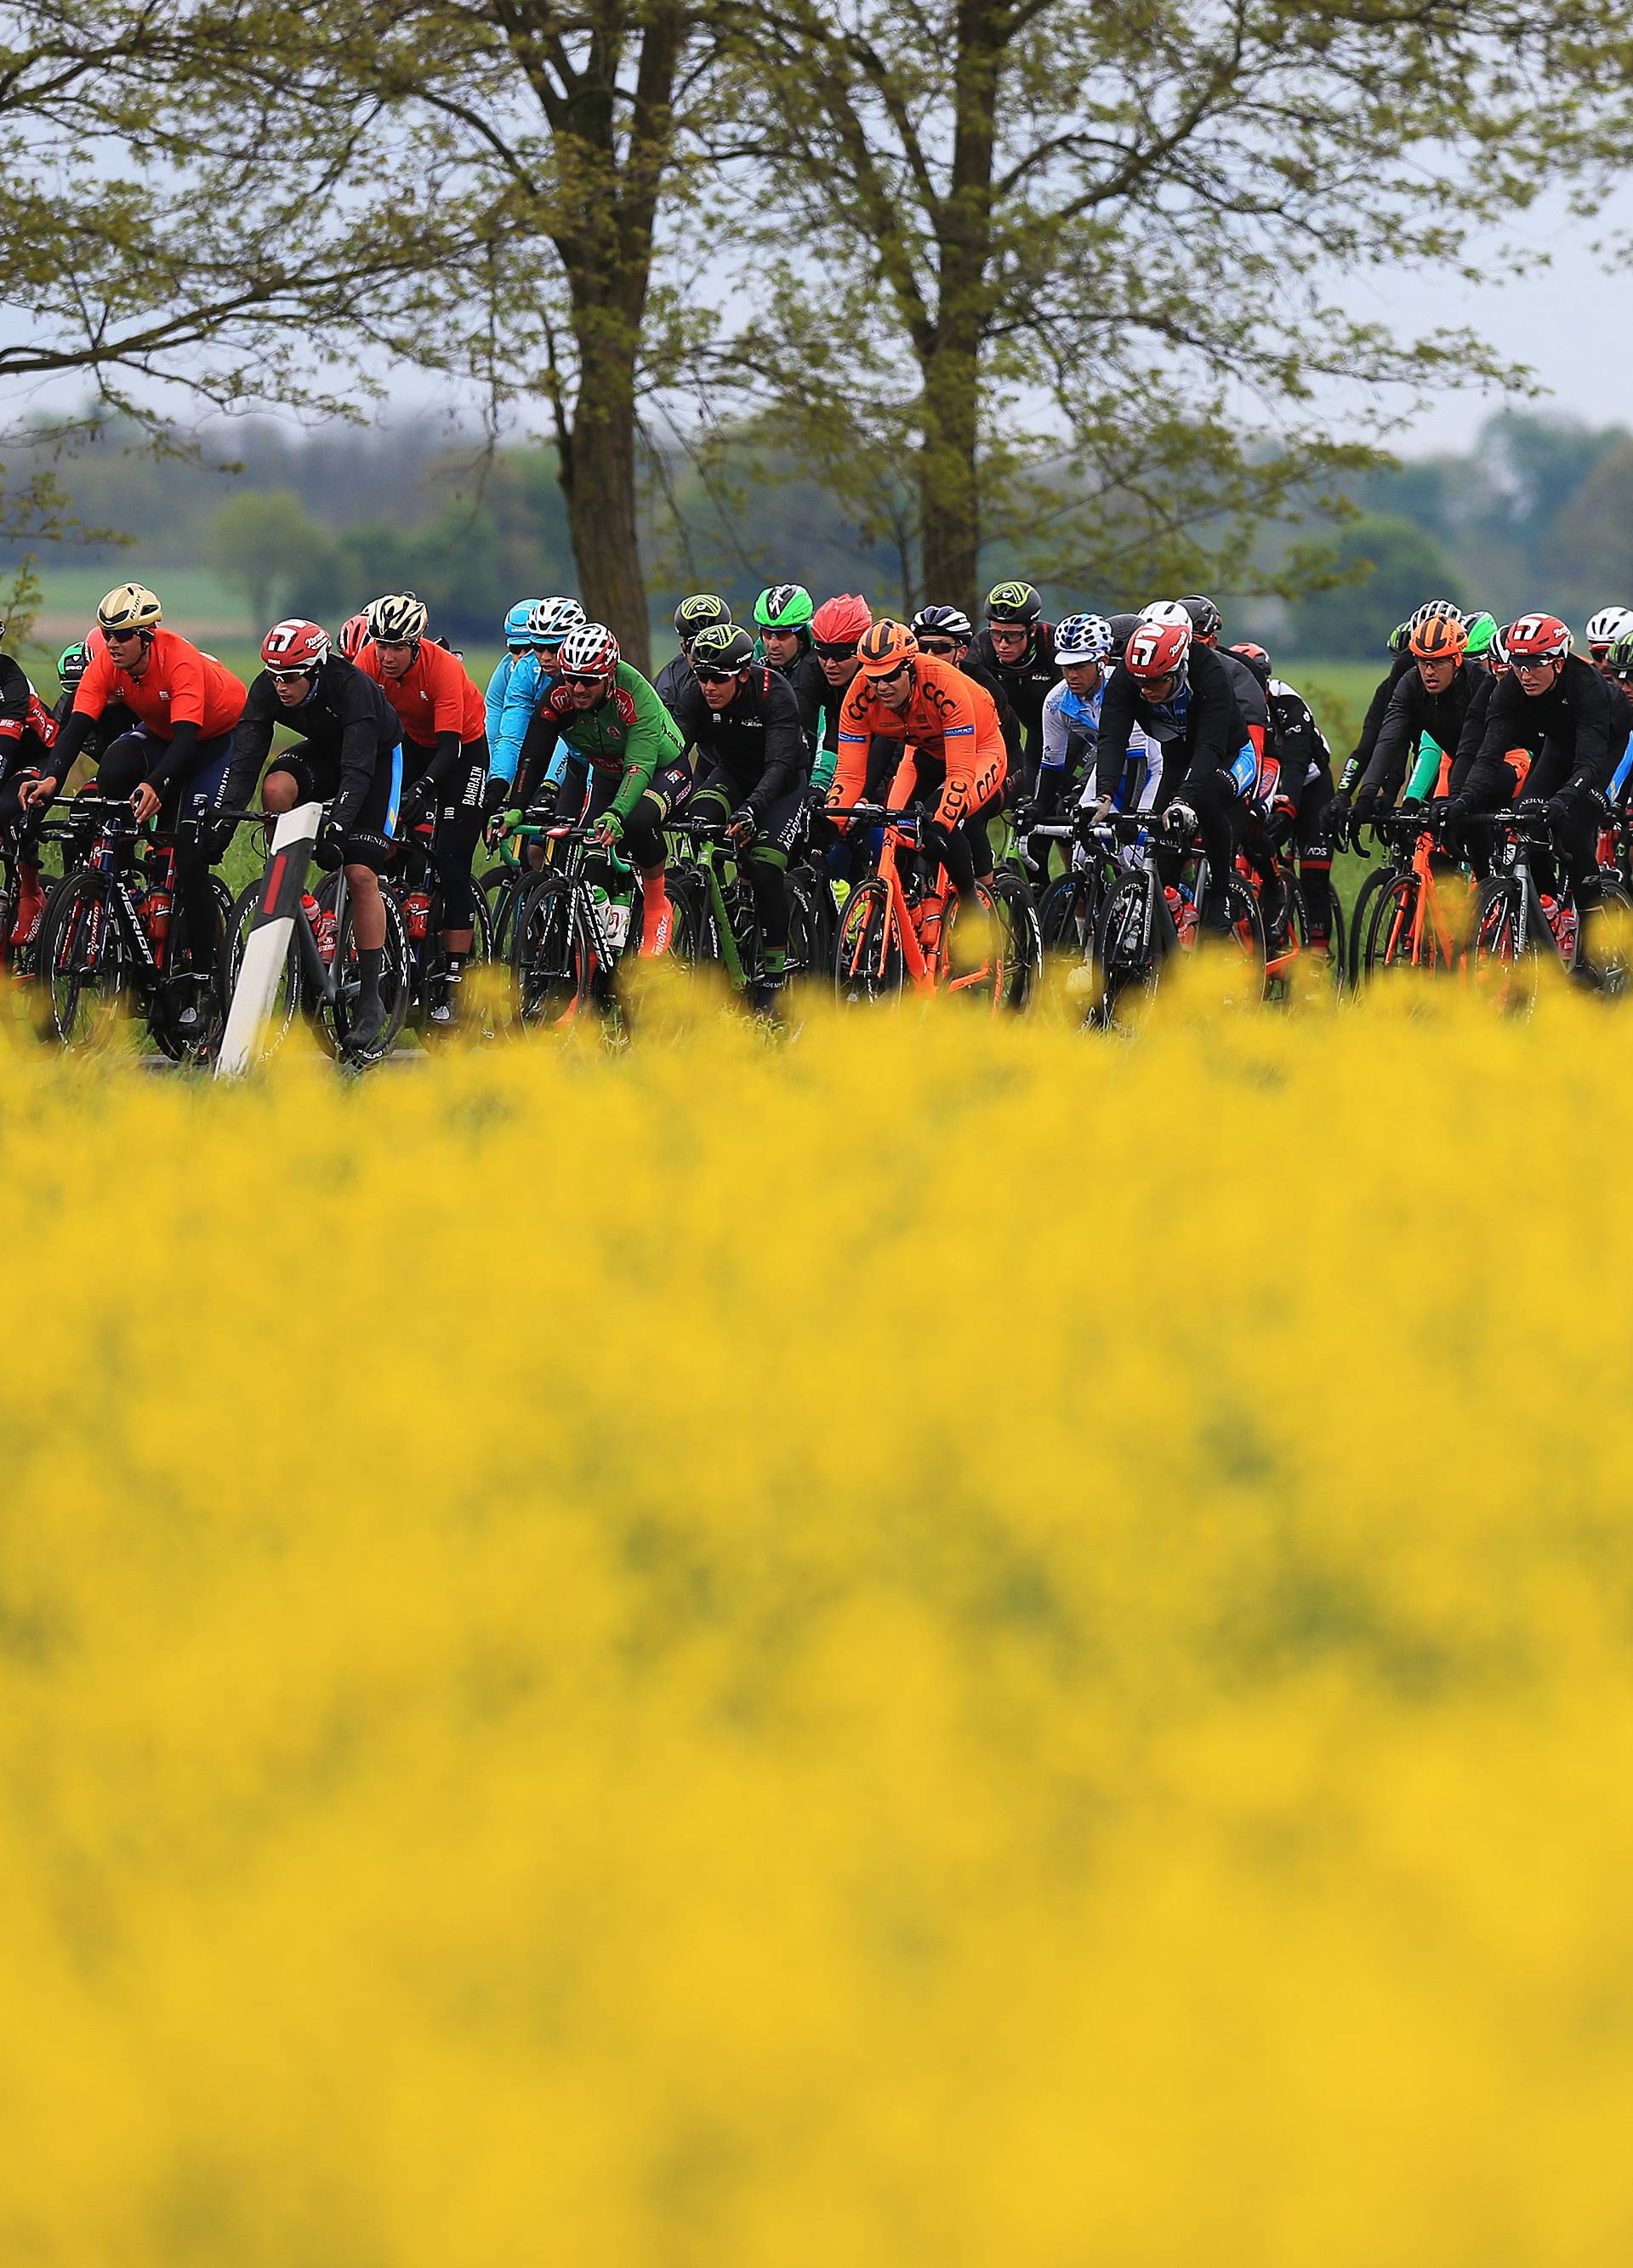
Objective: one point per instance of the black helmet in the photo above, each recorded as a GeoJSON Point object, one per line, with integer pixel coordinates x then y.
{"type": "Point", "coordinates": [1206, 620]}
{"type": "Point", "coordinates": [1014, 602]}
{"type": "Point", "coordinates": [1123, 629]}
{"type": "Point", "coordinates": [723, 646]}
{"type": "Point", "coordinates": [698, 612]}
{"type": "Point", "coordinates": [943, 621]}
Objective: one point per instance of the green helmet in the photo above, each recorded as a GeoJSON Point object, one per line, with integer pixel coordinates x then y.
{"type": "Point", "coordinates": [1399, 636]}
{"type": "Point", "coordinates": [784, 606]}
{"type": "Point", "coordinates": [1619, 661]}
{"type": "Point", "coordinates": [71, 663]}
{"type": "Point", "coordinates": [1482, 630]}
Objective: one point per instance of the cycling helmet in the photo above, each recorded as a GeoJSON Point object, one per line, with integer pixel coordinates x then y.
{"type": "Point", "coordinates": [295, 644]}
{"type": "Point", "coordinates": [1123, 629]}
{"type": "Point", "coordinates": [516, 622]}
{"type": "Point", "coordinates": [723, 646]}
{"type": "Point", "coordinates": [884, 646]}
{"type": "Point", "coordinates": [1430, 607]}
{"type": "Point", "coordinates": [590, 650]}
{"type": "Point", "coordinates": [1206, 619]}
{"type": "Point", "coordinates": [354, 635]}
{"type": "Point", "coordinates": [1438, 637]}
{"type": "Point", "coordinates": [1083, 638]}
{"type": "Point", "coordinates": [398, 619]}
{"type": "Point", "coordinates": [1014, 602]}
{"type": "Point", "coordinates": [784, 606]}
{"type": "Point", "coordinates": [551, 619]}
{"type": "Point", "coordinates": [1621, 655]}
{"type": "Point", "coordinates": [698, 612]}
{"type": "Point", "coordinates": [1170, 612]}
{"type": "Point", "coordinates": [1606, 627]}
{"type": "Point", "coordinates": [71, 665]}
{"type": "Point", "coordinates": [1398, 637]}
{"type": "Point", "coordinates": [1536, 637]}
{"type": "Point", "coordinates": [944, 621]}
{"type": "Point", "coordinates": [1482, 630]}
{"type": "Point", "coordinates": [129, 607]}
{"type": "Point", "coordinates": [1497, 653]}
{"type": "Point", "coordinates": [1256, 658]}
{"type": "Point", "coordinates": [1158, 650]}
{"type": "Point", "coordinates": [841, 620]}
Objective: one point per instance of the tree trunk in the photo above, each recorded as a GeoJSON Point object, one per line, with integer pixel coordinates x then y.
{"type": "Point", "coordinates": [949, 513]}
{"type": "Point", "coordinates": [598, 476]}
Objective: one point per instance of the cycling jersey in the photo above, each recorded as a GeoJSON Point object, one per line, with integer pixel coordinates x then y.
{"type": "Point", "coordinates": [346, 716]}
{"type": "Point", "coordinates": [1026, 683]}
{"type": "Point", "coordinates": [1413, 711]}
{"type": "Point", "coordinates": [1071, 732]}
{"type": "Point", "coordinates": [435, 697]}
{"type": "Point", "coordinates": [181, 699]}
{"type": "Point", "coordinates": [804, 677]}
{"type": "Point", "coordinates": [756, 742]}
{"type": "Point", "coordinates": [629, 731]}
{"type": "Point", "coordinates": [514, 692]}
{"type": "Point", "coordinates": [27, 727]}
{"type": "Point", "coordinates": [1581, 721]}
{"type": "Point", "coordinates": [1201, 729]}
{"type": "Point", "coordinates": [1296, 738]}
{"type": "Point", "coordinates": [1376, 708]}
{"type": "Point", "coordinates": [948, 718]}
{"type": "Point", "coordinates": [672, 680]}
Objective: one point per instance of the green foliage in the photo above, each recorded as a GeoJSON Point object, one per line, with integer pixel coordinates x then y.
{"type": "Point", "coordinates": [1398, 565]}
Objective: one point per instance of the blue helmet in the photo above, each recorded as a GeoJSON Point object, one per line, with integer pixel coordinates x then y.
{"type": "Point", "coordinates": [515, 622]}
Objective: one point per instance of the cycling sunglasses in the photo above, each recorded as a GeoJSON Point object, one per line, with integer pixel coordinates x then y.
{"type": "Point", "coordinates": [288, 676]}
{"type": "Point", "coordinates": [941, 647]}
{"type": "Point", "coordinates": [718, 676]}
{"type": "Point", "coordinates": [584, 684]}
{"type": "Point", "coordinates": [844, 651]}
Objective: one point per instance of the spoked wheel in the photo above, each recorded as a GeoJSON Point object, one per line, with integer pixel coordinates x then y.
{"type": "Point", "coordinates": [190, 1005]}
{"type": "Point", "coordinates": [87, 963]}
{"type": "Point", "coordinates": [1130, 956]}
{"type": "Point", "coordinates": [807, 928]}
{"type": "Point", "coordinates": [1401, 933]}
{"type": "Point", "coordinates": [287, 997]}
{"type": "Point", "coordinates": [335, 1017]}
{"type": "Point", "coordinates": [1066, 912]}
{"type": "Point", "coordinates": [1605, 946]}
{"type": "Point", "coordinates": [868, 962]}
{"type": "Point", "coordinates": [553, 955]}
{"type": "Point", "coordinates": [443, 997]}
{"type": "Point", "coordinates": [1505, 960]}
{"type": "Point", "coordinates": [1010, 952]}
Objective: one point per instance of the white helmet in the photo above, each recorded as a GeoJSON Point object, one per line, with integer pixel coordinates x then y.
{"type": "Point", "coordinates": [1167, 613]}
{"type": "Point", "coordinates": [1609, 624]}
{"type": "Point", "coordinates": [1083, 638]}
{"type": "Point", "coordinates": [398, 619]}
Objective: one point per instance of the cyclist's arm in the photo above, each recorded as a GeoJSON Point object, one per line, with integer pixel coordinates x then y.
{"type": "Point", "coordinates": [1118, 713]}
{"type": "Point", "coordinates": [1377, 709]}
{"type": "Point", "coordinates": [1489, 781]}
{"type": "Point", "coordinates": [508, 736]}
{"type": "Point", "coordinates": [1397, 738]}
{"type": "Point", "coordinates": [493, 700]}
{"type": "Point", "coordinates": [786, 757]}
{"type": "Point", "coordinates": [1594, 757]}
{"type": "Point", "coordinates": [654, 740]}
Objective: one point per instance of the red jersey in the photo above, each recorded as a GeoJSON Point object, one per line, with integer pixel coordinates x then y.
{"type": "Point", "coordinates": [436, 696]}
{"type": "Point", "coordinates": [180, 686]}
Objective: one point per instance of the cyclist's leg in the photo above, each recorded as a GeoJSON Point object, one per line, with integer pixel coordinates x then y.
{"type": "Point", "coordinates": [368, 847]}
{"type": "Point", "coordinates": [766, 870]}
{"type": "Point", "coordinates": [1213, 796]}
{"type": "Point", "coordinates": [1315, 855]}
{"type": "Point", "coordinates": [459, 827]}
{"type": "Point", "coordinates": [20, 829]}
{"type": "Point", "coordinates": [197, 847]}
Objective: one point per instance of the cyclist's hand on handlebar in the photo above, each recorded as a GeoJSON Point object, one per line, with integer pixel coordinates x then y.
{"type": "Point", "coordinates": [741, 828]}
{"type": "Point", "coordinates": [1179, 819]}
{"type": "Point", "coordinates": [35, 793]}
{"type": "Point", "coordinates": [607, 830]}
{"type": "Point", "coordinates": [326, 849]}
{"type": "Point", "coordinates": [145, 802]}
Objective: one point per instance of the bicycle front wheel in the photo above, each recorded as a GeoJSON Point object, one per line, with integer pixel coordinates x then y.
{"type": "Point", "coordinates": [1129, 957]}
{"type": "Point", "coordinates": [552, 954]}
{"type": "Point", "coordinates": [868, 962]}
{"type": "Point", "coordinates": [1505, 960]}
{"type": "Point", "coordinates": [87, 963]}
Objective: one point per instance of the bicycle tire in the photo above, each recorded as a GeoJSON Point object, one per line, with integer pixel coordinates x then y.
{"type": "Point", "coordinates": [86, 963]}
{"type": "Point", "coordinates": [1021, 950]}
{"type": "Point", "coordinates": [1387, 947]}
{"type": "Point", "coordinates": [335, 1017]}
{"type": "Point", "coordinates": [551, 954]}
{"type": "Point", "coordinates": [868, 959]}
{"type": "Point", "coordinates": [1605, 944]}
{"type": "Point", "coordinates": [1504, 958]}
{"type": "Point", "coordinates": [1130, 962]}
{"type": "Point", "coordinates": [179, 990]}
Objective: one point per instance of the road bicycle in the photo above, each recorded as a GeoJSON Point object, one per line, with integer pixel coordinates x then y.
{"type": "Point", "coordinates": [319, 979]}
{"type": "Point", "coordinates": [1145, 920]}
{"type": "Point", "coordinates": [900, 928]}
{"type": "Point", "coordinates": [718, 919]}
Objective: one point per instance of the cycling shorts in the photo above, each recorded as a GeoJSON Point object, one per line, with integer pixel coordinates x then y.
{"type": "Point", "coordinates": [316, 772]}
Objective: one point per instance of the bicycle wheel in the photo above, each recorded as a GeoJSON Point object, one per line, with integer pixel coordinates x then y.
{"type": "Point", "coordinates": [1504, 960]}
{"type": "Point", "coordinates": [1066, 915]}
{"type": "Point", "coordinates": [1129, 956]}
{"type": "Point", "coordinates": [552, 954]}
{"type": "Point", "coordinates": [806, 943]}
{"type": "Point", "coordinates": [88, 962]}
{"type": "Point", "coordinates": [1015, 960]}
{"type": "Point", "coordinates": [1361, 913]}
{"type": "Point", "coordinates": [867, 959]}
{"type": "Point", "coordinates": [1604, 947]}
{"type": "Point", "coordinates": [336, 1017]}
{"type": "Point", "coordinates": [1395, 940]}
{"type": "Point", "coordinates": [289, 998]}
{"type": "Point", "coordinates": [189, 1010]}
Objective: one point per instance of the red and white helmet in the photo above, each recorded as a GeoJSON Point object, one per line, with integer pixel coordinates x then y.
{"type": "Point", "coordinates": [590, 650]}
{"type": "Point", "coordinates": [1537, 637]}
{"type": "Point", "coordinates": [295, 644]}
{"type": "Point", "coordinates": [354, 635]}
{"type": "Point", "coordinates": [1158, 650]}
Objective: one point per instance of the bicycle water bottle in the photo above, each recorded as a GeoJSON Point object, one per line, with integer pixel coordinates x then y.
{"type": "Point", "coordinates": [417, 915]}
{"type": "Point", "coordinates": [323, 926]}
{"type": "Point", "coordinates": [156, 916]}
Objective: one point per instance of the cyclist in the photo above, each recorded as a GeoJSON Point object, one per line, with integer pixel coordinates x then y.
{"type": "Point", "coordinates": [1432, 702]}
{"type": "Point", "coordinates": [783, 617]}
{"type": "Point", "coordinates": [618, 741]}
{"type": "Point", "coordinates": [1206, 623]}
{"type": "Point", "coordinates": [444, 752]}
{"type": "Point", "coordinates": [952, 752]}
{"type": "Point", "coordinates": [1071, 713]}
{"type": "Point", "coordinates": [1553, 700]}
{"type": "Point", "coordinates": [947, 633]}
{"type": "Point", "coordinates": [517, 650]}
{"type": "Point", "coordinates": [1304, 766]}
{"type": "Point", "coordinates": [1183, 696]}
{"type": "Point", "coordinates": [743, 721]}
{"type": "Point", "coordinates": [349, 757]}
{"type": "Point", "coordinates": [836, 629]}
{"type": "Point", "coordinates": [177, 756]}
{"type": "Point", "coordinates": [1401, 665]}
{"type": "Point", "coordinates": [693, 614]}
{"type": "Point", "coordinates": [1603, 630]}
{"type": "Point", "coordinates": [546, 623]}
{"type": "Point", "coordinates": [27, 732]}
{"type": "Point", "coordinates": [1018, 647]}
{"type": "Point", "coordinates": [1619, 672]}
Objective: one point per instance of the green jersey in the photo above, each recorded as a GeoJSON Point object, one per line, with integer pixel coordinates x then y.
{"type": "Point", "coordinates": [630, 732]}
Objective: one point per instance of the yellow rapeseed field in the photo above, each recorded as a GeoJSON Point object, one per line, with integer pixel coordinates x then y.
{"type": "Point", "coordinates": [938, 1647]}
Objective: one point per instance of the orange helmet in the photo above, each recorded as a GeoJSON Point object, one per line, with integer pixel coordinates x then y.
{"type": "Point", "coordinates": [1440, 638]}
{"type": "Point", "coordinates": [884, 646]}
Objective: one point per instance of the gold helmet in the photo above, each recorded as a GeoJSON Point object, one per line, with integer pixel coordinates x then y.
{"type": "Point", "coordinates": [132, 607]}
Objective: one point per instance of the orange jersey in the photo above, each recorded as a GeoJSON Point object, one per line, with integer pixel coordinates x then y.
{"type": "Point", "coordinates": [436, 696]}
{"type": "Point", "coordinates": [948, 718]}
{"type": "Point", "coordinates": [180, 686]}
